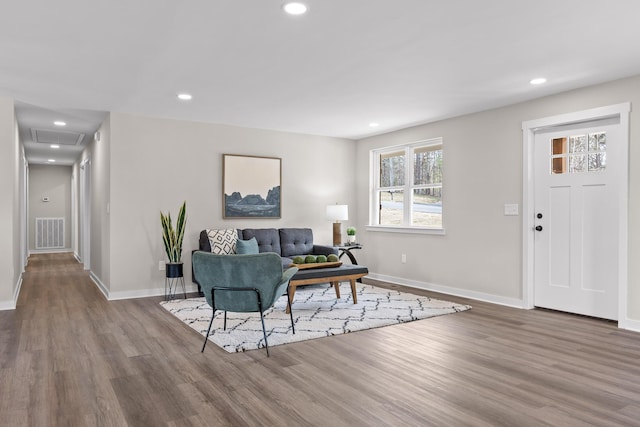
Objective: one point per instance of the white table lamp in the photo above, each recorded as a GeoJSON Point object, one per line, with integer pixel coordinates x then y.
{"type": "Point", "coordinates": [337, 213]}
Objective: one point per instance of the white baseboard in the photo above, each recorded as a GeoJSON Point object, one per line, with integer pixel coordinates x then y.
{"type": "Point", "coordinates": [11, 304]}
{"type": "Point", "coordinates": [480, 296]}
{"type": "Point", "coordinates": [99, 284]}
{"type": "Point", "coordinates": [630, 325]}
{"type": "Point", "coordinates": [7, 305]}
{"type": "Point", "coordinates": [139, 293]}
{"type": "Point", "coordinates": [16, 293]}
{"type": "Point", "coordinates": [49, 251]}
{"type": "Point", "coordinates": [145, 293]}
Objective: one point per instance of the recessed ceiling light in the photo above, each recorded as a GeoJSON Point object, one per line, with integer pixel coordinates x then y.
{"type": "Point", "coordinates": [538, 81]}
{"type": "Point", "coordinates": [294, 8]}
{"type": "Point", "coordinates": [51, 160]}
{"type": "Point", "coordinates": [59, 123]}
{"type": "Point", "coordinates": [374, 124]}
{"type": "Point", "coordinates": [185, 96]}
{"type": "Point", "coordinates": [54, 146]}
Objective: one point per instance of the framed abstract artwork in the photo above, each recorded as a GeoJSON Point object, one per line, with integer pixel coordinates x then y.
{"type": "Point", "coordinates": [251, 186]}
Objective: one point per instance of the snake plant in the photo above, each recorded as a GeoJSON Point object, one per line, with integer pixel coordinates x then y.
{"type": "Point", "coordinates": [171, 237]}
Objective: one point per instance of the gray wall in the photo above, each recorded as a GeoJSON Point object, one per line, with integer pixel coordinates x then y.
{"type": "Point", "coordinates": [10, 161]}
{"type": "Point", "coordinates": [98, 155]}
{"type": "Point", "coordinates": [154, 164]}
{"type": "Point", "coordinates": [53, 182]}
{"type": "Point", "coordinates": [481, 253]}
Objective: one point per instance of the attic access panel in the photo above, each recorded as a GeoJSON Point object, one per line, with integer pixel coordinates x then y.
{"type": "Point", "coordinates": [56, 137]}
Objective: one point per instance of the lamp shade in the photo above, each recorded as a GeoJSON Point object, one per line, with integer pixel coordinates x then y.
{"type": "Point", "coordinates": [337, 212]}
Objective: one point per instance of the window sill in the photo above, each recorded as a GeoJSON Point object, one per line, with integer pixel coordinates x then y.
{"type": "Point", "coordinates": [406, 230]}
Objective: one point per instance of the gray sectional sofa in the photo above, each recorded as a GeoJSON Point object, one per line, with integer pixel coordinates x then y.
{"type": "Point", "coordinates": [286, 242]}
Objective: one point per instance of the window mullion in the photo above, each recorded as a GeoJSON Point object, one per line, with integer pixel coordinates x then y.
{"type": "Point", "coordinates": [374, 208]}
{"type": "Point", "coordinates": [408, 183]}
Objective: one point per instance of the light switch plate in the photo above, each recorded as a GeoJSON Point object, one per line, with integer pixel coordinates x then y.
{"type": "Point", "coordinates": [511, 209]}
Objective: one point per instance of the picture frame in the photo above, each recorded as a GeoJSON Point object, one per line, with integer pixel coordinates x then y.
{"type": "Point", "coordinates": [251, 186]}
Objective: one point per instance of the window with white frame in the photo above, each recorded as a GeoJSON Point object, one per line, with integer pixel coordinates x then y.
{"type": "Point", "coordinates": [407, 185]}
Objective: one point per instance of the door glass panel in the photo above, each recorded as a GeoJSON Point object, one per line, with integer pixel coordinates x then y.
{"type": "Point", "coordinates": [578, 143]}
{"type": "Point", "coordinates": [579, 153]}
{"type": "Point", "coordinates": [558, 165]}
{"type": "Point", "coordinates": [577, 163]}
{"type": "Point", "coordinates": [558, 146]}
{"type": "Point", "coordinates": [598, 141]}
{"type": "Point", "coordinates": [558, 155]}
{"type": "Point", "coordinates": [597, 162]}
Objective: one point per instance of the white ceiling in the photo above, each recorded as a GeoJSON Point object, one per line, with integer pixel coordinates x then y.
{"type": "Point", "coordinates": [331, 72]}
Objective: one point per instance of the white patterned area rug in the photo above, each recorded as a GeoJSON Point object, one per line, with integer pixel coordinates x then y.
{"type": "Point", "coordinates": [316, 313]}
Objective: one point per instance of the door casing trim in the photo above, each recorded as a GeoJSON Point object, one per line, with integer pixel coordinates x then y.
{"type": "Point", "coordinates": [529, 128]}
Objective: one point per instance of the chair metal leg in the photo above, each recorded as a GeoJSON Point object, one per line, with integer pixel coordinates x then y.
{"type": "Point", "coordinates": [206, 337]}
{"type": "Point", "coordinates": [293, 328]}
{"type": "Point", "coordinates": [264, 332]}
{"type": "Point", "coordinates": [213, 307]}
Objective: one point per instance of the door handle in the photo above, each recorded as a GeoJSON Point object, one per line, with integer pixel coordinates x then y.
{"type": "Point", "coordinates": [539, 228]}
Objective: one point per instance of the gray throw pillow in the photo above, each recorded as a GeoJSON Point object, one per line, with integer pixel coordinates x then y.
{"type": "Point", "coordinates": [247, 247]}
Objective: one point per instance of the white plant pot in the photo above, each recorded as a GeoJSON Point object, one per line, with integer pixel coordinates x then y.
{"type": "Point", "coordinates": [351, 239]}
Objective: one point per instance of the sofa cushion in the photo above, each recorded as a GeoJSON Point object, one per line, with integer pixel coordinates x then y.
{"type": "Point", "coordinates": [223, 242]}
{"type": "Point", "coordinates": [247, 247]}
{"type": "Point", "coordinates": [268, 238]}
{"type": "Point", "coordinates": [286, 262]}
{"type": "Point", "coordinates": [296, 241]}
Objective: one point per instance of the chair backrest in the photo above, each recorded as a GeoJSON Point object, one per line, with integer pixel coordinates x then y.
{"type": "Point", "coordinates": [261, 271]}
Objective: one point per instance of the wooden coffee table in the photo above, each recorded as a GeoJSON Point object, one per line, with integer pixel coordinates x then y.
{"type": "Point", "coordinates": [333, 275]}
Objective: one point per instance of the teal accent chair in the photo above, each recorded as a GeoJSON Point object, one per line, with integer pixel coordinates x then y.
{"type": "Point", "coordinates": [242, 283]}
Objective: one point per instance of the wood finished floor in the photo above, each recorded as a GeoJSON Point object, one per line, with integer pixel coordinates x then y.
{"type": "Point", "coordinates": [68, 357]}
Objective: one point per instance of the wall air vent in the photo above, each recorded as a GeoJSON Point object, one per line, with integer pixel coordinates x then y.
{"type": "Point", "coordinates": [49, 233]}
{"type": "Point", "coordinates": [56, 137]}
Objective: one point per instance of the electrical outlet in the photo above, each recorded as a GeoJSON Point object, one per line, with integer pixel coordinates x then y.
{"type": "Point", "coordinates": [404, 258]}
{"type": "Point", "coordinates": [161, 265]}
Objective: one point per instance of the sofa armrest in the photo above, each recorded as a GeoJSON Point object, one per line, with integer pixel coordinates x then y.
{"type": "Point", "coordinates": [204, 241]}
{"type": "Point", "coordinates": [324, 250]}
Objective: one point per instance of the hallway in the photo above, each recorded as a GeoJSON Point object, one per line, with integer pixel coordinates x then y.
{"type": "Point", "coordinates": [66, 352]}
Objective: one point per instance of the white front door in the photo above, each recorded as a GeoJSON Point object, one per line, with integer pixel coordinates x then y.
{"type": "Point", "coordinates": [576, 199]}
